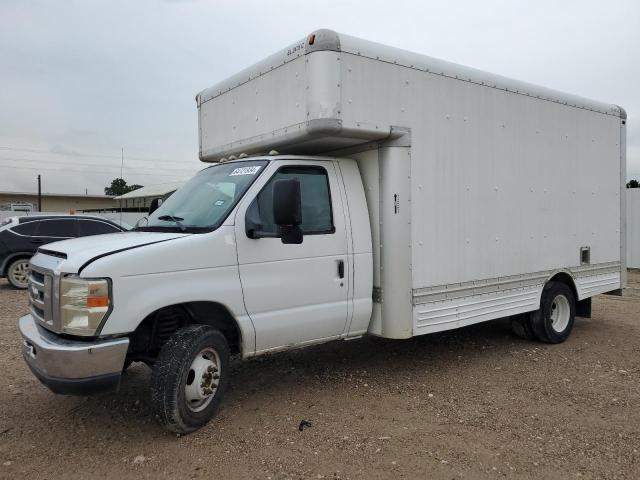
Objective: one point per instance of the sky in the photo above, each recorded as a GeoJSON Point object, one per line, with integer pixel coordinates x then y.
{"type": "Point", "coordinates": [84, 83]}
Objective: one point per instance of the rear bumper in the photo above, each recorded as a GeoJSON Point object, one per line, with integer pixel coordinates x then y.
{"type": "Point", "coordinates": [72, 367]}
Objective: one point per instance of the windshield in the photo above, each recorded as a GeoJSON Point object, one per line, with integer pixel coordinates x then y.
{"type": "Point", "coordinates": [205, 201]}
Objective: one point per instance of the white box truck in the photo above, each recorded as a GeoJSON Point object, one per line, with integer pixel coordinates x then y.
{"type": "Point", "coordinates": [406, 195]}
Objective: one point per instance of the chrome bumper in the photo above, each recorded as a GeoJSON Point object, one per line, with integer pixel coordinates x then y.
{"type": "Point", "coordinates": [72, 366]}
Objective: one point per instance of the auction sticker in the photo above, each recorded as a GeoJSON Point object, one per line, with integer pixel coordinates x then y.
{"type": "Point", "coordinates": [245, 171]}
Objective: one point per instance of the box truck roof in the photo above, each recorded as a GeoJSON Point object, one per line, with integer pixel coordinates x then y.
{"type": "Point", "coordinates": [331, 91]}
{"type": "Point", "coordinates": [329, 40]}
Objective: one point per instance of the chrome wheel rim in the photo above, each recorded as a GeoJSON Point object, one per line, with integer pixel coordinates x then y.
{"type": "Point", "coordinates": [560, 313]}
{"type": "Point", "coordinates": [19, 273]}
{"type": "Point", "coordinates": [203, 379]}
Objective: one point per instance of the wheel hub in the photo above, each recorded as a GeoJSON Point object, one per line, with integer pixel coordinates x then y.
{"type": "Point", "coordinates": [207, 383]}
{"type": "Point", "coordinates": [560, 313]}
{"type": "Point", "coordinates": [20, 273]}
{"type": "Point", "coordinates": [202, 380]}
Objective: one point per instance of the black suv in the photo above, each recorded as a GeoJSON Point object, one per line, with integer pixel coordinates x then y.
{"type": "Point", "coordinates": [20, 237]}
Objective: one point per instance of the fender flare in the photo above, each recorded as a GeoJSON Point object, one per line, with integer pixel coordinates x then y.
{"type": "Point", "coordinates": [565, 274]}
{"type": "Point", "coordinates": [206, 312]}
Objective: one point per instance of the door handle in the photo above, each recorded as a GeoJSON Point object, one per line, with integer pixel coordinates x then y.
{"type": "Point", "coordinates": [341, 268]}
{"type": "Point", "coordinates": [38, 241]}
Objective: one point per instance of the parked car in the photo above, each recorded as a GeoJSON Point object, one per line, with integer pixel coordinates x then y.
{"type": "Point", "coordinates": [20, 237]}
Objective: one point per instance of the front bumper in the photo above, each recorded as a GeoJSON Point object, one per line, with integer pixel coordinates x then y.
{"type": "Point", "coordinates": [72, 367]}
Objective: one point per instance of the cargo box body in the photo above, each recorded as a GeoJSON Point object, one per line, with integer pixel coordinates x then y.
{"type": "Point", "coordinates": [479, 188]}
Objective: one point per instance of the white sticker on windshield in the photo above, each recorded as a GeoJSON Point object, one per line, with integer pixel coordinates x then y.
{"type": "Point", "coordinates": [245, 171]}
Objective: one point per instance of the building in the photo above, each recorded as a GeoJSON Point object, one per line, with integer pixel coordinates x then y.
{"type": "Point", "coordinates": [140, 199]}
{"type": "Point", "coordinates": [54, 202]}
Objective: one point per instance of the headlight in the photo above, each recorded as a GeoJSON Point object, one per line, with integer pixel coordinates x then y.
{"type": "Point", "coordinates": [83, 304]}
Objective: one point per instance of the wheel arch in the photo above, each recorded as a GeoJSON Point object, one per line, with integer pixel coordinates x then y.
{"type": "Point", "coordinates": [564, 276]}
{"type": "Point", "coordinates": [155, 329]}
{"type": "Point", "coordinates": [583, 306]}
{"type": "Point", "coordinates": [10, 258]}
{"type": "Point", "coordinates": [219, 316]}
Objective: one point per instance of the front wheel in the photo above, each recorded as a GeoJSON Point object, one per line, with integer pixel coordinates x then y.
{"type": "Point", "coordinates": [189, 378]}
{"type": "Point", "coordinates": [18, 273]}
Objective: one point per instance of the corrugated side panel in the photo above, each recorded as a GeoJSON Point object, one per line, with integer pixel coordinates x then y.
{"type": "Point", "coordinates": [460, 312]}
{"type": "Point", "coordinates": [457, 305]}
{"type": "Point", "coordinates": [594, 284]}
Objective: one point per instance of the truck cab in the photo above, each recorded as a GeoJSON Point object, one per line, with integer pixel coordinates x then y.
{"type": "Point", "coordinates": [262, 250]}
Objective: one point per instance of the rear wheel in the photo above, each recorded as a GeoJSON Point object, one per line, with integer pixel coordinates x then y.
{"type": "Point", "coordinates": [18, 273]}
{"type": "Point", "coordinates": [553, 322]}
{"type": "Point", "coordinates": [189, 378]}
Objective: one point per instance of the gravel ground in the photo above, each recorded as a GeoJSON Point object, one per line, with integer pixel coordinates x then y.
{"type": "Point", "coordinates": [474, 403]}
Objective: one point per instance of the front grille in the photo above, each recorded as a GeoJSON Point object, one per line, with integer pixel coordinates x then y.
{"type": "Point", "coordinates": [37, 276]}
{"type": "Point", "coordinates": [39, 313]}
{"type": "Point", "coordinates": [40, 297]}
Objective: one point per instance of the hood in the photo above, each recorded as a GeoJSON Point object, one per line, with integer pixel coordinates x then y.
{"type": "Point", "coordinates": [78, 252]}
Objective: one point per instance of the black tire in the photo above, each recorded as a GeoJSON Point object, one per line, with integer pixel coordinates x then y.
{"type": "Point", "coordinates": [542, 321]}
{"type": "Point", "coordinates": [521, 326]}
{"type": "Point", "coordinates": [171, 373]}
{"type": "Point", "coordinates": [16, 273]}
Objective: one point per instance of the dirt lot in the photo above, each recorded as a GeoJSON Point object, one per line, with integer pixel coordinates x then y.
{"type": "Point", "coordinates": [474, 403]}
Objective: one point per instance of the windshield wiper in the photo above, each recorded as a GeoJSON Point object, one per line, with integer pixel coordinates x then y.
{"type": "Point", "coordinates": [176, 220]}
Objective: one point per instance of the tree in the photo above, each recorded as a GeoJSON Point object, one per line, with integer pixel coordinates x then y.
{"type": "Point", "coordinates": [119, 187]}
{"type": "Point", "coordinates": [633, 184]}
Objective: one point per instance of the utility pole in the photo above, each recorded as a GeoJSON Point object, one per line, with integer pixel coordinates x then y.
{"type": "Point", "coordinates": [39, 194]}
{"type": "Point", "coordinates": [121, 168]}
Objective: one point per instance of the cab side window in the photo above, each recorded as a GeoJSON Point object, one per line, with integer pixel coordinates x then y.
{"type": "Point", "coordinates": [317, 216]}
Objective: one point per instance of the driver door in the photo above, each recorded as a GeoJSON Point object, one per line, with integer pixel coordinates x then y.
{"type": "Point", "coordinates": [296, 294]}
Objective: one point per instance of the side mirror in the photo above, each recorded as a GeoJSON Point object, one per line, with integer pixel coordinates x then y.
{"type": "Point", "coordinates": [287, 210]}
{"type": "Point", "coordinates": [155, 204]}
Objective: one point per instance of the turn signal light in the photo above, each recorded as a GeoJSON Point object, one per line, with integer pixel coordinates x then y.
{"type": "Point", "coordinates": [97, 302]}
{"type": "Point", "coordinates": [312, 38]}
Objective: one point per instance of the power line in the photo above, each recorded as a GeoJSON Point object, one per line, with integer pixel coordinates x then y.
{"type": "Point", "coordinates": [104, 169]}
{"type": "Point", "coordinates": [80, 154]}
{"type": "Point", "coordinates": [75, 162]}
{"type": "Point", "coordinates": [92, 165]}
{"type": "Point", "coordinates": [179, 177]}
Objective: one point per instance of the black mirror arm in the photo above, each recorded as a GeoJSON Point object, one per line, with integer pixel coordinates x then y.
{"type": "Point", "coordinates": [290, 234]}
